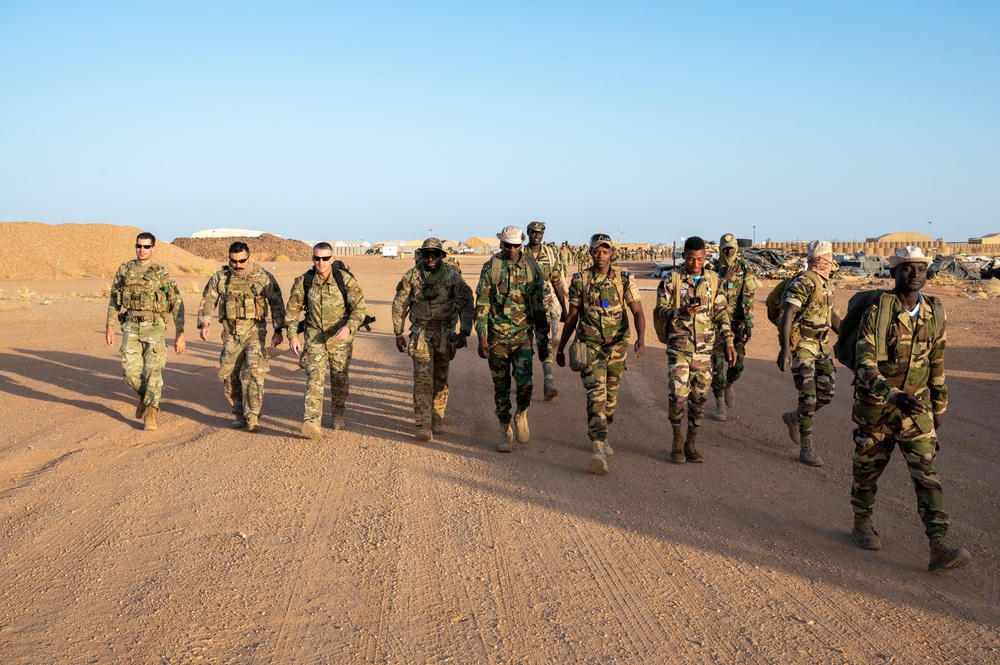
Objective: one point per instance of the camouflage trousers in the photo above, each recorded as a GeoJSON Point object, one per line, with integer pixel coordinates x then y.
{"type": "Point", "coordinates": [872, 449]}
{"type": "Point", "coordinates": [815, 379]}
{"type": "Point", "coordinates": [431, 351]}
{"type": "Point", "coordinates": [242, 366]}
{"type": "Point", "coordinates": [553, 310]}
{"type": "Point", "coordinates": [144, 354]}
{"type": "Point", "coordinates": [316, 360]}
{"type": "Point", "coordinates": [601, 379]}
{"type": "Point", "coordinates": [506, 359]}
{"type": "Point", "coordinates": [690, 377]}
{"type": "Point", "coordinates": [721, 376]}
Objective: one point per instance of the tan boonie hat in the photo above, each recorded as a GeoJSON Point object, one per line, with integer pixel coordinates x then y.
{"type": "Point", "coordinates": [728, 240]}
{"type": "Point", "coordinates": [909, 254]}
{"type": "Point", "coordinates": [511, 235]}
{"type": "Point", "coordinates": [820, 248]}
{"type": "Point", "coordinates": [537, 226]}
{"type": "Point", "coordinates": [432, 244]}
{"type": "Point", "coordinates": [599, 239]}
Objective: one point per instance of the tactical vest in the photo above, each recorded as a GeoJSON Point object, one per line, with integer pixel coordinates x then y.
{"type": "Point", "coordinates": [241, 298]}
{"type": "Point", "coordinates": [604, 301]}
{"type": "Point", "coordinates": [144, 292]}
{"type": "Point", "coordinates": [430, 307]}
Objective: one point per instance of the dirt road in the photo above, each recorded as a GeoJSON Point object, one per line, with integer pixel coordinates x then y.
{"type": "Point", "coordinates": [198, 543]}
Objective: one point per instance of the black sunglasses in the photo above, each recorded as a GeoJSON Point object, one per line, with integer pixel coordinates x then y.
{"type": "Point", "coordinates": [322, 258]}
{"type": "Point", "coordinates": [239, 261]}
{"type": "Point", "coordinates": [138, 246]}
{"type": "Point", "coordinates": [509, 245]}
{"type": "Point", "coordinates": [599, 236]}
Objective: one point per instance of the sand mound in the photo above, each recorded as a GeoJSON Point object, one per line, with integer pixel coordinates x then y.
{"type": "Point", "coordinates": [34, 251]}
{"type": "Point", "coordinates": [265, 247]}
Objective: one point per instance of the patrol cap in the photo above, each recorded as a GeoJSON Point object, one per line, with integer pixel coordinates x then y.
{"type": "Point", "coordinates": [511, 235]}
{"type": "Point", "coordinates": [908, 254]}
{"type": "Point", "coordinates": [599, 239]}
{"type": "Point", "coordinates": [432, 246]}
{"type": "Point", "coordinates": [728, 240]}
{"type": "Point", "coordinates": [819, 248]}
{"type": "Point", "coordinates": [537, 226]}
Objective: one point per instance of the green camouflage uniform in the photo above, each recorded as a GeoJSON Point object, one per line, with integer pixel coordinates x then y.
{"type": "Point", "coordinates": [552, 276]}
{"type": "Point", "coordinates": [690, 341]}
{"type": "Point", "coordinates": [325, 312]}
{"type": "Point", "coordinates": [812, 363]}
{"type": "Point", "coordinates": [509, 315]}
{"type": "Point", "coordinates": [915, 366]}
{"type": "Point", "coordinates": [435, 302]}
{"type": "Point", "coordinates": [738, 284]}
{"type": "Point", "coordinates": [243, 303]}
{"type": "Point", "coordinates": [603, 326]}
{"type": "Point", "coordinates": [140, 300]}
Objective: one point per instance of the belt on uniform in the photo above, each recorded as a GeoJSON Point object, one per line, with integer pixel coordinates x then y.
{"type": "Point", "coordinates": [142, 319]}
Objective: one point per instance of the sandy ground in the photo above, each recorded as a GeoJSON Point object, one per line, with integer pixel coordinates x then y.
{"type": "Point", "coordinates": [197, 543]}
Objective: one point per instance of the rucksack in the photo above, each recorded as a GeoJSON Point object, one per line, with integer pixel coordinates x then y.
{"type": "Point", "coordinates": [662, 326]}
{"type": "Point", "coordinates": [337, 267]}
{"type": "Point", "coordinates": [845, 349]}
{"type": "Point", "coordinates": [776, 302]}
{"type": "Point", "coordinates": [496, 264]}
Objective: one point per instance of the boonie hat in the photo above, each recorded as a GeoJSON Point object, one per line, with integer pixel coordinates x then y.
{"type": "Point", "coordinates": [599, 239]}
{"type": "Point", "coordinates": [728, 240]}
{"type": "Point", "coordinates": [820, 248]}
{"type": "Point", "coordinates": [511, 235]}
{"type": "Point", "coordinates": [537, 226]}
{"type": "Point", "coordinates": [908, 254]}
{"type": "Point", "coordinates": [432, 245]}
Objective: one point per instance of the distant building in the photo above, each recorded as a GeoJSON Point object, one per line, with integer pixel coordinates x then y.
{"type": "Point", "coordinates": [229, 233]}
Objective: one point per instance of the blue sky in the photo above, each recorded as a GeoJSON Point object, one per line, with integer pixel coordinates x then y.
{"type": "Point", "coordinates": [385, 120]}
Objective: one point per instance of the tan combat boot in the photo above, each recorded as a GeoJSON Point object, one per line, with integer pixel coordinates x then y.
{"type": "Point", "coordinates": [864, 534]}
{"type": "Point", "coordinates": [677, 455]}
{"type": "Point", "coordinates": [550, 383]}
{"type": "Point", "coordinates": [689, 450]}
{"type": "Point", "coordinates": [149, 417]}
{"type": "Point", "coordinates": [253, 424]}
{"type": "Point", "coordinates": [608, 450]}
{"type": "Point", "coordinates": [730, 395]}
{"type": "Point", "coordinates": [720, 407]}
{"type": "Point", "coordinates": [507, 442]}
{"type": "Point", "coordinates": [807, 455]}
{"type": "Point", "coordinates": [311, 429]}
{"type": "Point", "coordinates": [598, 463]}
{"type": "Point", "coordinates": [437, 425]}
{"type": "Point", "coordinates": [944, 557]}
{"type": "Point", "coordinates": [424, 432]}
{"type": "Point", "coordinates": [521, 429]}
{"type": "Point", "coordinates": [792, 422]}
{"type": "Point", "coordinates": [339, 423]}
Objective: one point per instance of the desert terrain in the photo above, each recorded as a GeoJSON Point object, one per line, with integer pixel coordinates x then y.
{"type": "Point", "coordinates": [197, 543]}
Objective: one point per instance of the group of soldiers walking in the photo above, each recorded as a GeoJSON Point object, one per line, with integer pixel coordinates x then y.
{"type": "Point", "coordinates": [703, 314]}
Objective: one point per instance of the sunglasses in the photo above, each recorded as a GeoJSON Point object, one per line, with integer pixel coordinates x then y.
{"type": "Point", "coordinates": [509, 245]}
{"type": "Point", "coordinates": [138, 246]}
{"type": "Point", "coordinates": [599, 236]}
{"type": "Point", "coordinates": [322, 258]}
{"type": "Point", "coordinates": [239, 262]}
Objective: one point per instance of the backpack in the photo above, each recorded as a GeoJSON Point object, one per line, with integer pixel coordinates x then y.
{"type": "Point", "coordinates": [776, 302]}
{"type": "Point", "coordinates": [845, 349]}
{"type": "Point", "coordinates": [662, 326]}
{"type": "Point", "coordinates": [496, 263]}
{"type": "Point", "coordinates": [338, 267]}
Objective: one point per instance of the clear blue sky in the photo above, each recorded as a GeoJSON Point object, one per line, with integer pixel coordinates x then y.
{"type": "Point", "coordinates": [385, 119]}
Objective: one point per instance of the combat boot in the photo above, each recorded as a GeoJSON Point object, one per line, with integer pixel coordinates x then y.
{"type": "Point", "coordinates": [507, 443]}
{"type": "Point", "coordinates": [339, 423]}
{"type": "Point", "coordinates": [944, 557]}
{"type": "Point", "coordinates": [677, 456]}
{"type": "Point", "coordinates": [239, 421]}
{"type": "Point", "coordinates": [521, 429]}
{"type": "Point", "coordinates": [730, 395]}
{"type": "Point", "coordinates": [141, 408]}
{"type": "Point", "coordinates": [311, 429]}
{"type": "Point", "coordinates": [608, 450]}
{"type": "Point", "coordinates": [689, 450]}
{"type": "Point", "coordinates": [149, 417]}
{"type": "Point", "coordinates": [252, 423]}
{"type": "Point", "coordinates": [720, 407]}
{"type": "Point", "coordinates": [598, 463]}
{"type": "Point", "coordinates": [864, 534]}
{"type": "Point", "coordinates": [424, 432]}
{"type": "Point", "coordinates": [437, 425]}
{"type": "Point", "coordinates": [792, 422]}
{"type": "Point", "coordinates": [550, 389]}
{"type": "Point", "coordinates": [807, 455]}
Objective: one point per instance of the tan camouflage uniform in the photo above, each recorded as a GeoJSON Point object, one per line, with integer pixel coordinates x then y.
{"type": "Point", "coordinates": [243, 303]}
{"type": "Point", "coordinates": [812, 363]}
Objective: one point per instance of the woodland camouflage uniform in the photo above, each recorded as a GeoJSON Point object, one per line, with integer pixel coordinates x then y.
{"type": "Point", "coordinates": [243, 303]}
{"type": "Point", "coordinates": [737, 283]}
{"type": "Point", "coordinates": [812, 363]}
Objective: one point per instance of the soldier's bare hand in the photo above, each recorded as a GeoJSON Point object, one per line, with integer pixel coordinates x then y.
{"type": "Point", "coordinates": [483, 348]}
{"type": "Point", "coordinates": [109, 336]}
{"type": "Point", "coordinates": [295, 344]}
{"type": "Point", "coordinates": [691, 310]}
{"type": "Point", "coordinates": [731, 355]}
{"type": "Point", "coordinates": [277, 338]}
{"type": "Point", "coordinates": [561, 358]}
{"type": "Point", "coordinates": [640, 347]}
{"type": "Point", "coordinates": [203, 333]}
{"type": "Point", "coordinates": [909, 404]}
{"type": "Point", "coordinates": [179, 344]}
{"type": "Point", "coordinates": [784, 358]}
{"type": "Point", "coordinates": [343, 334]}
{"type": "Point", "coordinates": [401, 343]}
{"type": "Point", "coordinates": [461, 341]}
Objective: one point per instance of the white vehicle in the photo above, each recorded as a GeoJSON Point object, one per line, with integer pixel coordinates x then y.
{"type": "Point", "coordinates": [390, 252]}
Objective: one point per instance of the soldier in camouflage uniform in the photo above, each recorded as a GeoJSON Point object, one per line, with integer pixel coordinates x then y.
{"type": "Point", "coordinates": [737, 283]}
{"type": "Point", "coordinates": [243, 291]}
{"type": "Point", "coordinates": [436, 298]}
{"type": "Point", "coordinates": [695, 315]}
{"type": "Point", "coordinates": [803, 333]}
{"type": "Point", "coordinates": [142, 294]}
{"type": "Point", "coordinates": [901, 400]}
{"type": "Point", "coordinates": [330, 324]}
{"type": "Point", "coordinates": [598, 299]}
{"type": "Point", "coordinates": [509, 315]}
{"type": "Point", "coordinates": [565, 259]}
{"type": "Point", "coordinates": [554, 294]}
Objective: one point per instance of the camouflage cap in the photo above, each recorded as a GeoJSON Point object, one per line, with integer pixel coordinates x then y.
{"type": "Point", "coordinates": [728, 240]}
{"type": "Point", "coordinates": [432, 244]}
{"type": "Point", "coordinates": [537, 226]}
{"type": "Point", "coordinates": [599, 239]}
